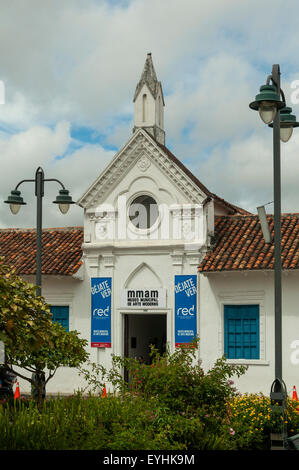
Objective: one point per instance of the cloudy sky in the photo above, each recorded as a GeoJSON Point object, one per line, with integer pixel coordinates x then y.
{"type": "Point", "coordinates": [70, 69]}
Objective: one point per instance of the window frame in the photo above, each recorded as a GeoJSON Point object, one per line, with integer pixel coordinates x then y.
{"type": "Point", "coordinates": [243, 298]}
{"type": "Point", "coordinates": [68, 319]}
{"type": "Point", "coordinates": [236, 315]}
{"type": "Point", "coordinates": [143, 231]}
{"type": "Point", "coordinates": [62, 300]}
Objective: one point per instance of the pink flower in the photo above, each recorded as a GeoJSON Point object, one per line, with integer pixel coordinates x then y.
{"type": "Point", "coordinates": [232, 432]}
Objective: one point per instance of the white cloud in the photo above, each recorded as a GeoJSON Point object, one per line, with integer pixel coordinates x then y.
{"type": "Point", "coordinates": [77, 63]}
{"type": "Point", "coordinates": [246, 175]}
{"type": "Point", "coordinates": [24, 152]}
{"type": "Point", "coordinates": [216, 108]}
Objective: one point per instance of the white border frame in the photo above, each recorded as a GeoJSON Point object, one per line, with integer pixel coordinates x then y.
{"type": "Point", "coordinates": [141, 231]}
{"type": "Point", "coordinates": [243, 298]}
{"type": "Point", "coordinates": [122, 312]}
{"type": "Point", "coordinates": [62, 300]}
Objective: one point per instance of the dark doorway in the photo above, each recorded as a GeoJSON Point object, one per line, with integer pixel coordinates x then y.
{"type": "Point", "coordinates": [140, 331]}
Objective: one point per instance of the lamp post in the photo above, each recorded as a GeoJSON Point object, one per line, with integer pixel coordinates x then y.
{"type": "Point", "coordinates": [270, 103]}
{"type": "Point", "coordinates": [15, 201]}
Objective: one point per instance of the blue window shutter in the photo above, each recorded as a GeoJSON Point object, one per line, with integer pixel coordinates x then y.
{"type": "Point", "coordinates": [241, 332]}
{"type": "Point", "coordinates": [61, 315]}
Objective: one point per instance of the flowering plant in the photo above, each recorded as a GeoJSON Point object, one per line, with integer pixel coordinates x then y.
{"type": "Point", "coordinates": [253, 418]}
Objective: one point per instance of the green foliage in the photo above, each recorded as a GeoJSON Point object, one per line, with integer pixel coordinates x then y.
{"type": "Point", "coordinates": [32, 341]}
{"type": "Point", "coordinates": [81, 424]}
{"type": "Point", "coordinates": [24, 318]}
{"type": "Point", "coordinates": [171, 404]}
{"type": "Point", "coordinates": [188, 405]}
{"type": "Point", "coordinates": [175, 379]}
{"type": "Point", "coordinates": [132, 423]}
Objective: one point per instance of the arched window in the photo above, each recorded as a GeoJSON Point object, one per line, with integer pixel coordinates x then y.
{"type": "Point", "coordinates": [143, 108]}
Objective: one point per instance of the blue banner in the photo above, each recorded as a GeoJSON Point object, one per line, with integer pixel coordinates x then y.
{"type": "Point", "coordinates": [185, 288]}
{"type": "Point", "coordinates": [101, 312]}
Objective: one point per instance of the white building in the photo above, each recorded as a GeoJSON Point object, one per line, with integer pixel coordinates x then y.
{"type": "Point", "coordinates": [129, 277]}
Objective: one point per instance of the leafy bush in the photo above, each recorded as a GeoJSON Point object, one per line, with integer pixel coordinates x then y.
{"type": "Point", "coordinates": [77, 423]}
{"type": "Point", "coordinates": [32, 341]}
{"type": "Point", "coordinates": [175, 379]}
{"type": "Point", "coordinates": [170, 404]}
{"type": "Point", "coordinates": [192, 404]}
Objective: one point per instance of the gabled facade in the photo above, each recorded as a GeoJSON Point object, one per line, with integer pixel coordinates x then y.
{"type": "Point", "coordinates": [155, 248]}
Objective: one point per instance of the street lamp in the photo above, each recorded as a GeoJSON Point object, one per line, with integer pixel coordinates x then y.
{"type": "Point", "coordinates": [287, 123]}
{"type": "Point", "coordinates": [274, 112]}
{"type": "Point", "coordinates": [15, 201]}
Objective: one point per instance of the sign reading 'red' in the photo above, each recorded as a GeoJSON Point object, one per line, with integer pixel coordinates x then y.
{"type": "Point", "coordinates": [185, 291]}
{"type": "Point", "coordinates": [147, 298]}
{"type": "Point", "coordinates": [101, 312]}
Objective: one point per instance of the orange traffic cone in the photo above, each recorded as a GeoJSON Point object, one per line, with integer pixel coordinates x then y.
{"type": "Point", "coordinates": [294, 396]}
{"type": "Point", "coordinates": [104, 393]}
{"type": "Point", "coordinates": [17, 392]}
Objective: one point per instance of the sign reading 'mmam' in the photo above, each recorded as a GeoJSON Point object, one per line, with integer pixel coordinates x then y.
{"type": "Point", "coordinates": [147, 298]}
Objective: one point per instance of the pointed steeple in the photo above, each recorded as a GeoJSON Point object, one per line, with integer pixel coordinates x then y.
{"type": "Point", "coordinates": [149, 102]}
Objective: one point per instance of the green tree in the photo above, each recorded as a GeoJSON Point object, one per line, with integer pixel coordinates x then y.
{"type": "Point", "coordinates": [32, 341]}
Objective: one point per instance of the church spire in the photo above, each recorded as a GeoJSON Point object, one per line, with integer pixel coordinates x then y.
{"type": "Point", "coordinates": [149, 102]}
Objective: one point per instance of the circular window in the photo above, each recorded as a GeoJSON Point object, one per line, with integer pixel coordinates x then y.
{"type": "Point", "coordinates": [143, 212]}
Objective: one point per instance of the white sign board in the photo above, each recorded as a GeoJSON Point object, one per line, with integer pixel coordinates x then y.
{"type": "Point", "coordinates": [2, 352]}
{"type": "Point", "coordinates": [143, 298]}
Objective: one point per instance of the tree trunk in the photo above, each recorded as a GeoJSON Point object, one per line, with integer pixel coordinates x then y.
{"type": "Point", "coordinates": [39, 388]}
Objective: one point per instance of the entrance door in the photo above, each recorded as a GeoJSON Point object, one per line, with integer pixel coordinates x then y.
{"type": "Point", "coordinates": [140, 331]}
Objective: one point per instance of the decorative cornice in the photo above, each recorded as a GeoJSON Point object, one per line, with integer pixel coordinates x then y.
{"type": "Point", "coordinates": [140, 143]}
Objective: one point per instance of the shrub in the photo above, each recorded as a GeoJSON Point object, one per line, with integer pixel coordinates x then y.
{"type": "Point", "coordinates": [77, 423]}
{"type": "Point", "coordinates": [191, 406]}
{"type": "Point", "coordinates": [175, 379]}
{"type": "Point", "coordinates": [171, 404]}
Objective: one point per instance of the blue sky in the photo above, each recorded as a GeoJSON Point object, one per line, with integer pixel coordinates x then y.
{"type": "Point", "coordinates": [70, 73]}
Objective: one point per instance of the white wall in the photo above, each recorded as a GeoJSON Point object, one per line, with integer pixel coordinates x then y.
{"type": "Point", "coordinates": [151, 260]}
{"type": "Point", "coordinates": [217, 289]}
{"type": "Point", "coordinates": [65, 290]}
{"type": "Point", "coordinates": [128, 269]}
{"type": "Point", "coordinates": [139, 269]}
{"type": "Point", "coordinates": [158, 269]}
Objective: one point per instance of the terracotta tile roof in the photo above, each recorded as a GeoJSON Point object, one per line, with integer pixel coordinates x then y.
{"type": "Point", "coordinates": [231, 207]}
{"type": "Point", "coordinates": [239, 244]}
{"type": "Point", "coordinates": [61, 250]}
